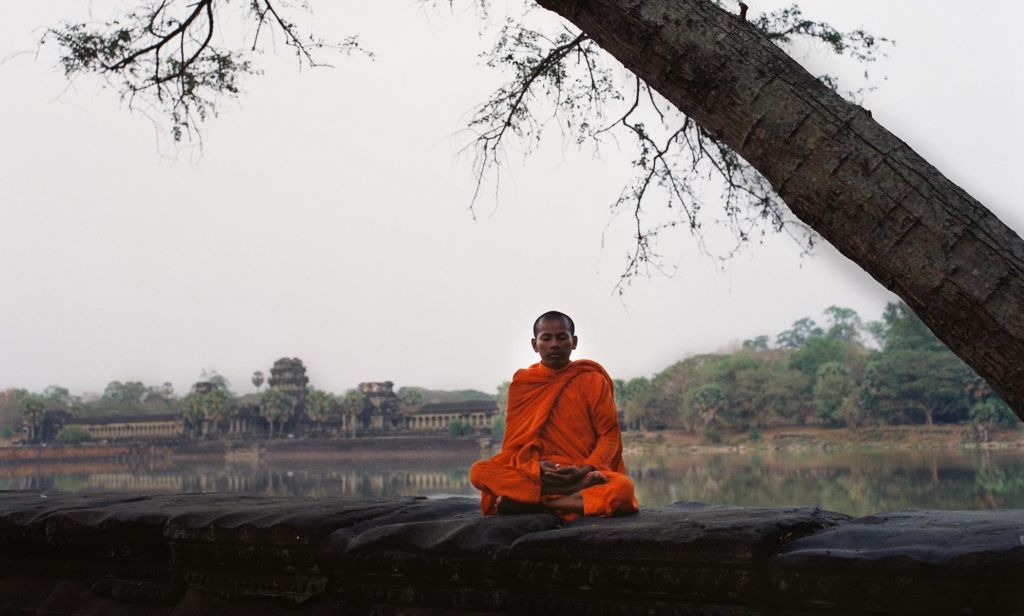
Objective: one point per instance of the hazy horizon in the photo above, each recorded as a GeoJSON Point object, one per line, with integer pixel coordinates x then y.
{"type": "Point", "coordinates": [326, 215]}
{"type": "Point", "coordinates": [244, 384]}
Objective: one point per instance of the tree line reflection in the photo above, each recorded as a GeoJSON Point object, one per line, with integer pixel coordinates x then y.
{"type": "Point", "coordinates": [857, 483]}
{"type": "Point", "coordinates": [269, 481]}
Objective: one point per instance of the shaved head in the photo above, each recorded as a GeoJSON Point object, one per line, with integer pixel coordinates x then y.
{"type": "Point", "coordinates": [554, 315]}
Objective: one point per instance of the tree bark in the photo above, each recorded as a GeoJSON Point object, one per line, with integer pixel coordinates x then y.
{"type": "Point", "coordinates": [855, 183]}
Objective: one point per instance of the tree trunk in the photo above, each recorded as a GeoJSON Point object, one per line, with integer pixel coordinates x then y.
{"type": "Point", "coordinates": [865, 191]}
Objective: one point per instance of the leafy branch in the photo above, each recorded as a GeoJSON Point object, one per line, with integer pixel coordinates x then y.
{"type": "Point", "coordinates": [542, 68]}
{"type": "Point", "coordinates": [567, 74]}
{"type": "Point", "coordinates": [166, 55]}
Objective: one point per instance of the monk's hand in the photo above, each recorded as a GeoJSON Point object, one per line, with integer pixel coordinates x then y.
{"type": "Point", "coordinates": [552, 474]}
{"type": "Point", "coordinates": [548, 468]}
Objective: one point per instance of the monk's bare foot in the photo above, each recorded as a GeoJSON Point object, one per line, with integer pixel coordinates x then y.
{"type": "Point", "coordinates": [507, 506]}
{"type": "Point", "coordinates": [565, 504]}
{"type": "Point", "coordinates": [594, 478]}
{"type": "Point", "coordinates": [589, 480]}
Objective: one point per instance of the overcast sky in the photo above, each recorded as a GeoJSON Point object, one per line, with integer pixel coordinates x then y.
{"type": "Point", "coordinates": [326, 216]}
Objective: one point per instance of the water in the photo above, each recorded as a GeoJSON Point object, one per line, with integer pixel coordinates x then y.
{"type": "Point", "coordinates": [858, 482]}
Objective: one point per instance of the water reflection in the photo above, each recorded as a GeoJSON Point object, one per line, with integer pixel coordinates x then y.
{"type": "Point", "coordinates": [858, 483]}
{"type": "Point", "coordinates": [327, 479]}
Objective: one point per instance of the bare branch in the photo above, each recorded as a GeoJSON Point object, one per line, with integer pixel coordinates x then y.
{"type": "Point", "coordinates": [673, 154]}
{"type": "Point", "coordinates": [164, 55]}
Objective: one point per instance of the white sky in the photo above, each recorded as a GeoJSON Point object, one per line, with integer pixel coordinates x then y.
{"type": "Point", "coordinates": [327, 215]}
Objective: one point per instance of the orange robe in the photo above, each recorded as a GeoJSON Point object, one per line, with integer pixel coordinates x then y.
{"type": "Point", "coordinates": [564, 416]}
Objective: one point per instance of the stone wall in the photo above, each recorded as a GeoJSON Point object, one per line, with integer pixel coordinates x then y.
{"type": "Point", "coordinates": [134, 430]}
{"type": "Point", "coordinates": [33, 454]}
{"type": "Point", "coordinates": [220, 554]}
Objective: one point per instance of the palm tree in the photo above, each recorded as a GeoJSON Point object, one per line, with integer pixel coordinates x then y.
{"type": "Point", "coordinates": [276, 407]}
{"type": "Point", "coordinates": [318, 405]}
{"type": "Point", "coordinates": [32, 407]}
{"type": "Point", "coordinates": [353, 404]}
{"type": "Point", "coordinates": [218, 403]}
{"type": "Point", "coordinates": [257, 380]}
{"type": "Point", "coordinates": [193, 408]}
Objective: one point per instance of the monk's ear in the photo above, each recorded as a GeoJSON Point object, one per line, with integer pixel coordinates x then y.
{"type": "Point", "coordinates": [533, 343]}
{"type": "Point", "coordinates": [575, 341]}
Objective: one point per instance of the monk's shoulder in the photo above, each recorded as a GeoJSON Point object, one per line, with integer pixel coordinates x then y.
{"type": "Point", "coordinates": [590, 367]}
{"type": "Point", "coordinates": [523, 374]}
{"type": "Point", "coordinates": [592, 382]}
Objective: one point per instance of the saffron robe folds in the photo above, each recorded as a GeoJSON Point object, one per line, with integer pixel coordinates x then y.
{"type": "Point", "coordinates": [563, 416]}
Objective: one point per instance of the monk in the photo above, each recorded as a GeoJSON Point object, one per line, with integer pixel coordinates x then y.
{"type": "Point", "coordinates": [562, 450]}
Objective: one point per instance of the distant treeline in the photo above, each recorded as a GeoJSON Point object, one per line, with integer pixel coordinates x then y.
{"type": "Point", "coordinates": [842, 373]}
{"type": "Point", "coordinates": [133, 398]}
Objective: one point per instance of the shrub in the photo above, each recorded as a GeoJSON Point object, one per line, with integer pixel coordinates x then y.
{"type": "Point", "coordinates": [73, 434]}
{"type": "Point", "coordinates": [993, 412]}
{"type": "Point", "coordinates": [457, 427]}
{"type": "Point", "coordinates": [984, 416]}
{"type": "Point", "coordinates": [498, 426]}
{"type": "Point", "coordinates": [754, 434]}
{"type": "Point", "coordinates": [974, 433]}
{"type": "Point", "coordinates": [712, 434]}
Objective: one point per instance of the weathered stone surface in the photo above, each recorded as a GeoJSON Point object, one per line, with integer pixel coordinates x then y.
{"type": "Point", "coordinates": [212, 529]}
{"type": "Point", "coordinates": [691, 553]}
{"type": "Point", "coordinates": [405, 522]}
{"type": "Point", "coordinates": [220, 554]}
{"type": "Point", "coordinates": [468, 535]}
{"type": "Point", "coordinates": [911, 562]}
{"type": "Point", "coordinates": [447, 565]}
{"type": "Point", "coordinates": [229, 545]}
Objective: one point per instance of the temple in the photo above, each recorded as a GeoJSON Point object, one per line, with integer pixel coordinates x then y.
{"type": "Point", "coordinates": [376, 411]}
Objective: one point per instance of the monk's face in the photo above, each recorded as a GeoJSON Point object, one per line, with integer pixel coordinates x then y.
{"type": "Point", "coordinates": [554, 342]}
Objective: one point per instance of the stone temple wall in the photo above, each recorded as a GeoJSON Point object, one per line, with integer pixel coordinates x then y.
{"type": "Point", "coordinates": [77, 554]}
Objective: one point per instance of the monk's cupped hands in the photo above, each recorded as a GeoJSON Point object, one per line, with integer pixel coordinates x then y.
{"type": "Point", "coordinates": [558, 474]}
{"type": "Point", "coordinates": [568, 479]}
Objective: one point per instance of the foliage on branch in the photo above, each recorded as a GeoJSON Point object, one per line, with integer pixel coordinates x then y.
{"type": "Point", "coordinates": [786, 24]}
{"type": "Point", "coordinates": [561, 71]}
{"type": "Point", "coordinates": [564, 77]}
{"type": "Point", "coordinates": [167, 55]}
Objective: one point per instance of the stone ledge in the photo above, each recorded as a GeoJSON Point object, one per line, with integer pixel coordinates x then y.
{"type": "Point", "coordinates": [912, 562]}
{"type": "Point", "coordinates": [229, 554]}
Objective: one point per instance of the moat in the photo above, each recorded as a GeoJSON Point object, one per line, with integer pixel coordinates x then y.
{"type": "Point", "coordinates": [852, 482]}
